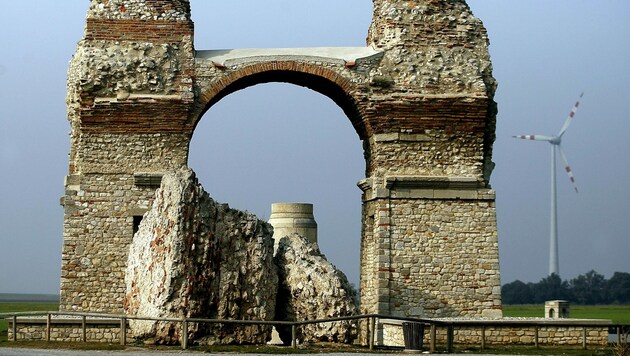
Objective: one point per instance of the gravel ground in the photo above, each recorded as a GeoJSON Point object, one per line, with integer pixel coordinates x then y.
{"type": "Point", "coordinates": [138, 352]}
{"type": "Point", "coordinates": [130, 352]}
{"type": "Point", "coordinates": [37, 352]}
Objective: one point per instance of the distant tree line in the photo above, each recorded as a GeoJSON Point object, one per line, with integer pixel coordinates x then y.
{"type": "Point", "coordinates": [590, 288]}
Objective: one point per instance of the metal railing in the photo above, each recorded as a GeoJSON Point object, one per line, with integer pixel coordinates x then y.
{"type": "Point", "coordinates": [121, 321]}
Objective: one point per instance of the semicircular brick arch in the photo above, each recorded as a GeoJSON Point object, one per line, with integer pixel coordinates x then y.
{"type": "Point", "coordinates": [321, 79]}
{"type": "Point", "coordinates": [419, 94]}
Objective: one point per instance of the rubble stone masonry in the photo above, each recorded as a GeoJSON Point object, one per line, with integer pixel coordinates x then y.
{"type": "Point", "coordinates": [419, 95]}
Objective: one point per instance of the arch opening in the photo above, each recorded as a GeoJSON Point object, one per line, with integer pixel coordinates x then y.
{"type": "Point", "coordinates": [261, 142]}
{"type": "Point", "coordinates": [336, 89]}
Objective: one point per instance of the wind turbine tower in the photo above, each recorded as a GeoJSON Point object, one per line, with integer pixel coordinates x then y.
{"type": "Point", "coordinates": [556, 148]}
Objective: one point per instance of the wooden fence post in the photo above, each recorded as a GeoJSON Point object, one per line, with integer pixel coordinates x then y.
{"type": "Point", "coordinates": [432, 343]}
{"type": "Point", "coordinates": [372, 329]}
{"type": "Point", "coordinates": [123, 331]}
{"type": "Point", "coordinates": [483, 337]}
{"type": "Point", "coordinates": [14, 327]}
{"type": "Point", "coordinates": [184, 334]}
{"type": "Point", "coordinates": [83, 328]}
{"type": "Point", "coordinates": [450, 338]}
{"type": "Point", "coordinates": [48, 327]}
{"type": "Point", "coordinates": [536, 336]}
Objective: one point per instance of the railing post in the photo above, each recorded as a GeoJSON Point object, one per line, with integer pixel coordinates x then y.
{"type": "Point", "coordinates": [14, 327]}
{"type": "Point", "coordinates": [432, 343]}
{"type": "Point", "coordinates": [372, 329]}
{"type": "Point", "coordinates": [47, 326]}
{"type": "Point", "coordinates": [123, 331]}
{"type": "Point", "coordinates": [294, 336]}
{"type": "Point", "coordinates": [618, 335]}
{"type": "Point", "coordinates": [450, 338]}
{"type": "Point", "coordinates": [184, 334]}
{"type": "Point", "coordinates": [536, 336]}
{"type": "Point", "coordinates": [584, 338]}
{"type": "Point", "coordinates": [83, 328]}
{"type": "Point", "coordinates": [483, 337]}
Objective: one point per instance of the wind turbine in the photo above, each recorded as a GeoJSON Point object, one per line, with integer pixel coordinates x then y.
{"type": "Point", "coordinates": [555, 142]}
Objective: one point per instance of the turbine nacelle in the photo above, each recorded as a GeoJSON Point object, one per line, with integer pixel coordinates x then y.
{"type": "Point", "coordinates": [557, 140]}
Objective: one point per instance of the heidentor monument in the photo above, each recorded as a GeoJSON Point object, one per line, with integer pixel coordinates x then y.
{"type": "Point", "coordinates": [419, 94]}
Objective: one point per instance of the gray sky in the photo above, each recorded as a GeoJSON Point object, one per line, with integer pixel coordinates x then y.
{"type": "Point", "coordinates": [278, 142]}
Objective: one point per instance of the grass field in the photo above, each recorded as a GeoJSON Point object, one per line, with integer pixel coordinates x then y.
{"type": "Point", "coordinates": [619, 314]}
{"type": "Point", "coordinates": [10, 307]}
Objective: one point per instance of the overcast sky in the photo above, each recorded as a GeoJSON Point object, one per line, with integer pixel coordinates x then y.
{"type": "Point", "coordinates": [279, 142]}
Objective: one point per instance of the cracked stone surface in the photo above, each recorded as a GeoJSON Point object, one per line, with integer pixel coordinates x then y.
{"type": "Point", "coordinates": [312, 288]}
{"type": "Point", "coordinates": [193, 257]}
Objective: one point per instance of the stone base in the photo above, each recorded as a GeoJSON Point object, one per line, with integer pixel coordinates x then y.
{"type": "Point", "coordinates": [390, 334]}
{"type": "Point", "coordinates": [66, 330]}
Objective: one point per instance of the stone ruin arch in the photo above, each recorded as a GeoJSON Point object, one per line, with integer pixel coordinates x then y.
{"type": "Point", "coordinates": [420, 96]}
{"type": "Point", "coordinates": [318, 78]}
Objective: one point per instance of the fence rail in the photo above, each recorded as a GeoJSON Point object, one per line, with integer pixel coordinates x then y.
{"type": "Point", "coordinates": [450, 325]}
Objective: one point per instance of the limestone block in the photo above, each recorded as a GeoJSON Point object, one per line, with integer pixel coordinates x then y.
{"type": "Point", "coordinates": [312, 288]}
{"type": "Point", "coordinates": [195, 258]}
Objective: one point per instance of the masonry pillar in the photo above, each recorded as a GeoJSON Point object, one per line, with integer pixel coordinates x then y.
{"type": "Point", "coordinates": [429, 241]}
{"type": "Point", "coordinates": [129, 92]}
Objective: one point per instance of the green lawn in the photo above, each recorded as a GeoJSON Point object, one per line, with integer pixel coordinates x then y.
{"type": "Point", "coordinates": [619, 314]}
{"type": "Point", "coordinates": [9, 307]}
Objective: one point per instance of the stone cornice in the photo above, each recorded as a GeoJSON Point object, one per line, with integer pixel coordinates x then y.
{"type": "Point", "coordinates": [426, 187]}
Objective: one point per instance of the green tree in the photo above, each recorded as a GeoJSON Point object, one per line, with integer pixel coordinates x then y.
{"type": "Point", "coordinates": [618, 288]}
{"type": "Point", "coordinates": [550, 288]}
{"type": "Point", "coordinates": [516, 292]}
{"type": "Point", "coordinates": [589, 288]}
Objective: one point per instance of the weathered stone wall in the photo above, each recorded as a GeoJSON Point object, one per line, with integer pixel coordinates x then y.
{"type": "Point", "coordinates": [445, 238]}
{"type": "Point", "coordinates": [391, 334]}
{"type": "Point", "coordinates": [426, 195]}
{"type": "Point", "coordinates": [312, 288]}
{"type": "Point", "coordinates": [129, 90]}
{"type": "Point", "coordinates": [98, 228]}
{"type": "Point", "coordinates": [67, 332]}
{"type": "Point", "coordinates": [420, 98]}
{"type": "Point", "coordinates": [464, 282]}
{"type": "Point", "coordinates": [195, 258]}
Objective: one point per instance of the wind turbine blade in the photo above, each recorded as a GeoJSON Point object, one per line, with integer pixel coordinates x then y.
{"type": "Point", "coordinates": [567, 122]}
{"type": "Point", "coordinates": [534, 137]}
{"type": "Point", "coordinates": [567, 168]}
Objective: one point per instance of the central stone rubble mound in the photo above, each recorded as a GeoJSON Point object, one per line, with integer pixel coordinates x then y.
{"type": "Point", "coordinates": [195, 258]}
{"type": "Point", "coordinates": [312, 288]}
